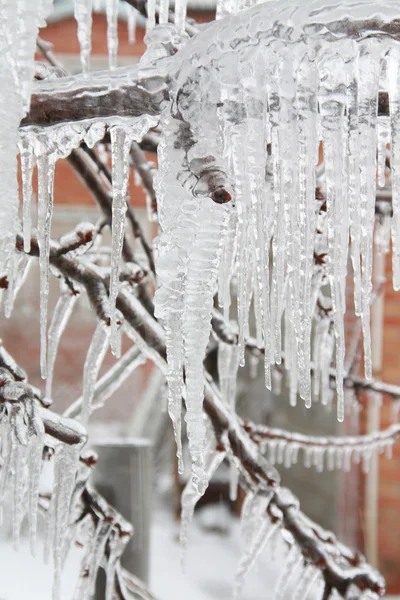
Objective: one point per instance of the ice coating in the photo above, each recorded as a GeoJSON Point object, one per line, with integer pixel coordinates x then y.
{"type": "Point", "coordinates": [254, 99]}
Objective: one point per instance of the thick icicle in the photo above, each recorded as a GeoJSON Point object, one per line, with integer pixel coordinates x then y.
{"type": "Point", "coordinates": [112, 32]}
{"type": "Point", "coordinates": [83, 16]}
{"type": "Point", "coordinates": [120, 144]}
{"type": "Point", "coordinates": [61, 315]}
{"type": "Point", "coordinates": [333, 124]}
{"type": "Point", "coordinates": [45, 165]}
{"type": "Point", "coordinates": [94, 359]}
{"type": "Point", "coordinates": [369, 71]}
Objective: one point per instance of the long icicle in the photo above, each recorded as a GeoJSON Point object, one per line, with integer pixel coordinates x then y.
{"type": "Point", "coordinates": [45, 165]}
{"type": "Point", "coordinates": [120, 145]}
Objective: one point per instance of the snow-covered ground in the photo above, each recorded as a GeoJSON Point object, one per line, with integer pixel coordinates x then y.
{"type": "Point", "coordinates": [212, 557]}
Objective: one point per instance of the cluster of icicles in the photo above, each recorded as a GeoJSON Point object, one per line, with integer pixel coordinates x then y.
{"type": "Point", "coordinates": [83, 16]}
{"type": "Point", "coordinates": [336, 453]}
{"type": "Point", "coordinates": [46, 147]}
{"type": "Point", "coordinates": [252, 104]}
{"type": "Point", "coordinates": [22, 442]}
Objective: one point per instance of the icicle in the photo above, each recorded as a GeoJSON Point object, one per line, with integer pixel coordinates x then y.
{"type": "Point", "coordinates": [228, 364]}
{"type": "Point", "coordinates": [353, 170]}
{"type": "Point", "coordinates": [226, 267]}
{"type": "Point", "coordinates": [26, 152]}
{"type": "Point", "coordinates": [101, 537]}
{"type": "Point", "coordinates": [164, 12]}
{"type": "Point", "coordinates": [180, 14]}
{"type": "Point", "coordinates": [18, 464]}
{"type": "Point", "coordinates": [190, 497]}
{"type": "Point", "coordinates": [394, 99]}
{"type": "Point", "coordinates": [61, 315]}
{"type": "Point", "coordinates": [35, 467]}
{"type": "Point", "coordinates": [366, 455]}
{"type": "Point", "coordinates": [115, 548]}
{"type": "Point", "coordinates": [65, 466]}
{"type": "Point", "coordinates": [383, 141]}
{"type": "Point", "coordinates": [112, 32]}
{"type": "Point", "coordinates": [120, 145]}
{"type": "Point", "coordinates": [24, 263]}
{"type": "Point", "coordinates": [151, 15]}
{"type": "Point", "coordinates": [260, 531]}
{"type": "Point", "coordinates": [339, 458]}
{"type": "Point", "coordinates": [132, 14]}
{"type": "Point", "coordinates": [45, 165]}
{"type": "Point", "coordinates": [5, 467]}
{"type": "Point", "coordinates": [94, 359]}
{"type": "Point", "coordinates": [369, 71]}
{"type": "Point", "coordinates": [306, 582]}
{"type": "Point", "coordinates": [294, 559]}
{"type": "Point", "coordinates": [333, 123]}
{"type": "Point", "coordinates": [272, 445]}
{"type": "Point", "coordinates": [83, 16]}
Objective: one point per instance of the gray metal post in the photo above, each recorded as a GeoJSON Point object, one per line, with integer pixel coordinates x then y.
{"type": "Point", "coordinates": [124, 476]}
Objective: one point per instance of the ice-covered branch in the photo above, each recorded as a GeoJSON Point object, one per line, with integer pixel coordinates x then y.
{"type": "Point", "coordinates": [338, 452]}
{"type": "Point", "coordinates": [339, 566]}
{"type": "Point", "coordinates": [123, 93]}
{"type": "Point", "coordinates": [262, 432]}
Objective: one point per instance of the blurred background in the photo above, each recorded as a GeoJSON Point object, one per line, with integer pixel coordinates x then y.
{"type": "Point", "coordinates": [361, 509]}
